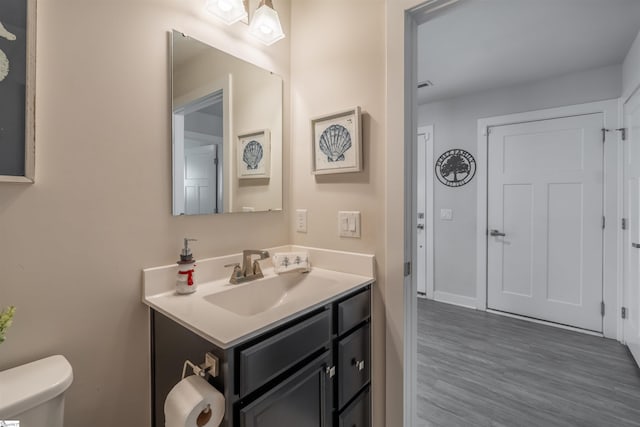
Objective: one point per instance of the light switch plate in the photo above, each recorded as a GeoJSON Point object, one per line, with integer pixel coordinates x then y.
{"type": "Point", "coordinates": [446, 214]}
{"type": "Point", "coordinates": [349, 224]}
{"type": "Point", "coordinates": [301, 220]}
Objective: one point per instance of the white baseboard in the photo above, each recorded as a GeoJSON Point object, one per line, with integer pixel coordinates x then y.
{"type": "Point", "coordinates": [544, 322]}
{"type": "Point", "coordinates": [455, 299]}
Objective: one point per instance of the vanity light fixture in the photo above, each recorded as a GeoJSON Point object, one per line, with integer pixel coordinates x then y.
{"type": "Point", "coordinates": [230, 11]}
{"type": "Point", "coordinates": [265, 24]}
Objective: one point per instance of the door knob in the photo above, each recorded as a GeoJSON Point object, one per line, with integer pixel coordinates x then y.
{"type": "Point", "coordinates": [635, 245]}
{"type": "Point", "coordinates": [496, 233]}
{"type": "Point", "coordinates": [420, 226]}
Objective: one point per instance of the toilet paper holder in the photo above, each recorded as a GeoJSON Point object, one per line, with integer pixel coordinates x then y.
{"type": "Point", "coordinates": [210, 366]}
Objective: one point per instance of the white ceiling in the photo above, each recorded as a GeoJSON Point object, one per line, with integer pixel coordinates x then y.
{"type": "Point", "coordinates": [486, 44]}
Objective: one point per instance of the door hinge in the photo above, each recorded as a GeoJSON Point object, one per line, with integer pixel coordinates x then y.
{"type": "Point", "coordinates": [331, 371]}
{"type": "Point", "coordinates": [407, 268]}
{"type": "Point", "coordinates": [215, 161]}
{"type": "Point", "coordinates": [623, 133]}
{"type": "Point", "coordinates": [602, 308]}
{"type": "Point", "coordinates": [624, 223]}
{"type": "Point", "coordinates": [604, 134]}
{"type": "Point", "coordinates": [623, 312]}
{"type": "Point", "coordinates": [604, 222]}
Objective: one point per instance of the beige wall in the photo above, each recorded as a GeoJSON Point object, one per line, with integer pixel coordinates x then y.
{"type": "Point", "coordinates": [337, 62]}
{"type": "Point", "coordinates": [73, 244]}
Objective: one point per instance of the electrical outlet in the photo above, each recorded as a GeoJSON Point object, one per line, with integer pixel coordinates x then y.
{"type": "Point", "coordinates": [446, 214]}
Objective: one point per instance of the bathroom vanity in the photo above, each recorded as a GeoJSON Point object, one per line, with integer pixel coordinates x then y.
{"type": "Point", "coordinates": [300, 359]}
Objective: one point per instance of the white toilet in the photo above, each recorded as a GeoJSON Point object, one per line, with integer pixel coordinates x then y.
{"type": "Point", "coordinates": [34, 393]}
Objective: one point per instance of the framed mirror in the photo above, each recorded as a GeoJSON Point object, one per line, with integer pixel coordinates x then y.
{"type": "Point", "coordinates": [226, 132]}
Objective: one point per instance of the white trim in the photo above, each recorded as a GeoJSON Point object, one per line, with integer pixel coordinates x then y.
{"type": "Point", "coordinates": [455, 299]}
{"type": "Point", "coordinates": [612, 178]}
{"type": "Point", "coordinates": [621, 233]}
{"type": "Point", "coordinates": [544, 322]}
{"type": "Point", "coordinates": [410, 285]}
{"type": "Point", "coordinates": [412, 18]}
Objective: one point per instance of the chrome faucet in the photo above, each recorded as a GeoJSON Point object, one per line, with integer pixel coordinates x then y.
{"type": "Point", "coordinates": [249, 271]}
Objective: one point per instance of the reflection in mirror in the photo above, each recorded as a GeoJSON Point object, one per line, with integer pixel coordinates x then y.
{"type": "Point", "coordinates": [218, 102]}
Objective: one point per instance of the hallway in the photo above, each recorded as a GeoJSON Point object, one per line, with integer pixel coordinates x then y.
{"type": "Point", "coordinates": [480, 369]}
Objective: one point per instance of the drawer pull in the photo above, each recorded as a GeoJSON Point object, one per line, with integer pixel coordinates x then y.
{"type": "Point", "coordinates": [358, 364]}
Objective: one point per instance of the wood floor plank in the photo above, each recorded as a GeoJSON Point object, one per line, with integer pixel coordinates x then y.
{"type": "Point", "coordinates": [482, 369]}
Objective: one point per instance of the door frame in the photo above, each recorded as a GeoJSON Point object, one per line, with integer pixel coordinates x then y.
{"type": "Point", "coordinates": [612, 237]}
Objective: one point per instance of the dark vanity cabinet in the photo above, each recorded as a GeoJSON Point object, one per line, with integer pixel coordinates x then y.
{"type": "Point", "coordinates": [313, 371]}
{"type": "Point", "coordinates": [352, 348]}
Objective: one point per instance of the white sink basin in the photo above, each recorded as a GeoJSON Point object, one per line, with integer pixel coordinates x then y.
{"type": "Point", "coordinates": [259, 296]}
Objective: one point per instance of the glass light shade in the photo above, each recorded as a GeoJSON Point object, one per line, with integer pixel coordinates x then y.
{"type": "Point", "coordinates": [230, 11]}
{"type": "Point", "coordinates": [265, 25]}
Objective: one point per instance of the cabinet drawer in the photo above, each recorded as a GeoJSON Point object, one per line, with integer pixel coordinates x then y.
{"type": "Point", "coordinates": [358, 414]}
{"type": "Point", "coordinates": [354, 363]}
{"type": "Point", "coordinates": [353, 311]}
{"type": "Point", "coordinates": [266, 360]}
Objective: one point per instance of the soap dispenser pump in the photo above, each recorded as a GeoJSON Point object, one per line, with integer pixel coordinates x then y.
{"type": "Point", "coordinates": [186, 282]}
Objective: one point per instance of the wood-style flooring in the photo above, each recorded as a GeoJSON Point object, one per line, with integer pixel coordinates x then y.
{"type": "Point", "coordinates": [481, 369]}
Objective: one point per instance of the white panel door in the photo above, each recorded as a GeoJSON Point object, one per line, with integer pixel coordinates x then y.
{"type": "Point", "coordinates": [545, 219]}
{"type": "Point", "coordinates": [424, 253]}
{"type": "Point", "coordinates": [200, 180]}
{"type": "Point", "coordinates": [632, 236]}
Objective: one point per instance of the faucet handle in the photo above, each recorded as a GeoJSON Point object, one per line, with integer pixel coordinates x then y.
{"type": "Point", "coordinates": [237, 272]}
{"type": "Point", "coordinates": [236, 267]}
{"type": "Point", "coordinates": [257, 270]}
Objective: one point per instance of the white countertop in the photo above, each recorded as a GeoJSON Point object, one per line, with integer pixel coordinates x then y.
{"type": "Point", "coordinates": [333, 274]}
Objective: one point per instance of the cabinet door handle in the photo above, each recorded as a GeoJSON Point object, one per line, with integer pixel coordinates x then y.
{"type": "Point", "coordinates": [496, 233]}
{"type": "Point", "coordinates": [331, 371]}
{"type": "Point", "coordinates": [358, 364]}
{"type": "Point", "coordinates": [635, 245]}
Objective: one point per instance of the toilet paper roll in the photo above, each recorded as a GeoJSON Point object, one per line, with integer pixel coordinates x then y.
{"type": "Point", "coordinates": [193, 402]}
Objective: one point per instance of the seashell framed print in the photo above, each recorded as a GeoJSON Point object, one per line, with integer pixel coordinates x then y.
{"type": "Point", "coordinates": [17, 90]}
{"type": "Point", "coordinates": [337, 144]}
{"type": "Point", "coordinates": [254, 154]}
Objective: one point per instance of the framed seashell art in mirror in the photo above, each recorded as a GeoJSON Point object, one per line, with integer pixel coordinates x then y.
{"type": "Point", "coordinates": [17, 90]}
{"type": "Point", "coordinates": [254, 154]}
{"type": "Point", "coordinates": [337, 143]}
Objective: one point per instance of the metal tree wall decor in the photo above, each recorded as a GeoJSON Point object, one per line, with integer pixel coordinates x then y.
{"type": "Point", "coordinates": [455, 168]}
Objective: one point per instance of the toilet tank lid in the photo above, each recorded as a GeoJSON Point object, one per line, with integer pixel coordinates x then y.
{"type": "Point", "coordinates": [27, 386]}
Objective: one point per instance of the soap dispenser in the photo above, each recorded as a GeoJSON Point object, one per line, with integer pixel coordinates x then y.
{"type": "Point", "coordinates": [186, 282]}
